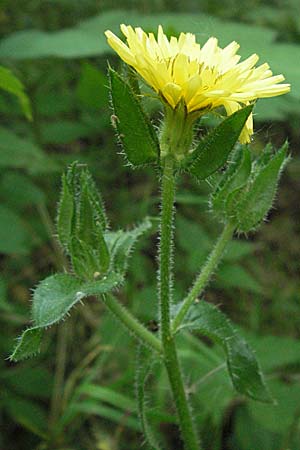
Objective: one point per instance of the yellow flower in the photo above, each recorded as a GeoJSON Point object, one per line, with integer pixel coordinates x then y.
{"type": "Point", "coordinates": [203, 77]}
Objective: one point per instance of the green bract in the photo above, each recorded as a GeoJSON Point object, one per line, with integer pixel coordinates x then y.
{"type": "Point", "coordinates": [258, 196]}
{"type": "Point", "coordinates": [233, 178]}
{"type": "Point", "coordinates": [214, 149]}
{"type": "Point", "coordinates": [246, 191]}
{"type": "Point", "coordinates": [81, 223]}
{"type": "Point", "coordinates": [135, 131]}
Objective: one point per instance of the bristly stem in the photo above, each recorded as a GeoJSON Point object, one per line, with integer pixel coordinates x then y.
{"type": "Point", "coordinates": [135, 327]}
{"type": "Point", "coordinates": [189, 435]}
{"type": "Point", "coordinates": [205, 274]}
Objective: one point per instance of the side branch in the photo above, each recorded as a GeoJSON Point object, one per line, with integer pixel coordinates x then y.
{"type": "Point", "coordinates": [205, 275]}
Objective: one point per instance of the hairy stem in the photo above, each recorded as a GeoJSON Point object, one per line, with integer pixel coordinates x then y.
{"type": "Point", "coordinates": [59, 375]}
{"type": "Point", "coordinates": [165, 287]}
{"type": "Point", "coordinates": [131, 323]}
{"type": "Point", "coordinates": [205, 274]}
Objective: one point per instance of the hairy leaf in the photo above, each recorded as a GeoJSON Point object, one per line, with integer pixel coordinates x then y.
{"type": "Point", "coordinates": [254, 204]}
{"type": "Point", "coordinates": [28, 344]}
{"type": "Point", "coordinates": [65, 214]}
{"type": "Point", "coordinates": [120, 244]}
{"type": "Point", "coordinates": [81, 223]}
{"type": "Point", "coordinates": [56, 295]}
{"type": "Point", "coordinates": [52, 300]}
{"type": "Point", "coordinates": [144, 363]}
{"type": "Point", "coordinates": [243, 367]}
{"type": "Point", "coordinates": [214, 149]}
{"type": "Point", "coordinates": [234, 177]}
{"type": "Point", "coordinates": [135, 131]}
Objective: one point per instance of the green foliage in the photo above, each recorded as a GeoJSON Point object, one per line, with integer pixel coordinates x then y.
{"type": "Point", "coordinates": [120, 244]}
{"type": "Point", "coordinates": [28, 344]}
{"type": "Point", "coordinates": [144, 365]}
{"type": "Point", "coordinates": [14, 237]}
{"type": "Point", "coordinates": [92, 408]}
{"type": "Point", "coordinates": [81, 223]}
{"type": "Point", "coordinates": [64, 222]}
{"type": "Point", "coordinates": [28, 414]}
{"type": "Point", "coordinates": [258, 281]}
{"type": "Point", "coordinates": [135, 131]}
{"type": "Point", "coordinates": [82, 228]}
{"type": "Point", "coordinates": [87, 39]}
{"type": "Point", "coordinates": [232, 276]}
{"type": "Point", "coordinates": [20, 191]}
{"type": "Point", "coordinates": [255, 202]}
{"type": "Point", "coordinates": [52, 300]}
{"type": "Point", "coordinates": [91, 88]}
{"type": "Point", "coordinates": [21, 153]}
{"type": "Point", "coordinates": [70, 43]}
{"type": "Point", "coordinates": [233, 178]}
{"type": "Point", "coordinates": [28, 381]}
{"type": "Point", "coordinates": [65, 131]}
{"type": "Point", "coordinates": [246, 191]}
{"type": "Point", "coordinates": [243, 368]}
{"type": "Point", "coordinates": [11, 84]}
{"type": "Point", "coordinates": [214, 149]}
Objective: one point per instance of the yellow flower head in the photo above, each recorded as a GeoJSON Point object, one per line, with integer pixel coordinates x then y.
{"type": "Point", "coordinates": [203, 77]}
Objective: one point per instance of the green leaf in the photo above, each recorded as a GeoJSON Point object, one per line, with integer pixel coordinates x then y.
{"type": "Point", "coordinates": [91, 88]}
{"type": "Point", "coordinates": [57, 294]}
{"type": "Point", "coordinates": [28, 344]}
{"type": "Point", "coordinates": [27, 413]}
{"type": "Point", "coordinates": [281, 416]}
{"type": "Point", "coordinates": [238, 249]}
{"type": "Point", "coordinates": [81, 222]}
{"type": "Point", "coordinates": [11, 84]}
{"type": "Point", "coordinates": [86, 261]}
{"type": "Point", "coordinates": [213, 151]}
{"type": "Point", "coordinates": [235, 176]}
{"type": "Point", "coordinates": [20, 191]}
{"type": "Point", "coordinates": [144, 365]}
{"type": "Point", "coordinates": [87, 39]}
{"type": "Point", "coordinates": [4, 305]}
{"type": "Point", "coordinates": [135, 131]}
{"type": "Point", "coordinates": [91, 407]}
{"type": "Point", "coordinates": [68, 43]}
{"type": "Point", "coordinates": [234, 276]}
{"type": "Point", "coordinates": [243, 367]}
{"type": "Point", "coordinates": [20, 153]}
{"type": "Point", "coordinates": [120, 244]}
{"type": "Point", "coordinates": [253, 205]}
{"type": "Point", "coordinates": [275, 352]}
{"type": "Point", "coordinates": [14, 237]}
{"type": "Point", "coordinates": [52, 300]}
{"type": "Point", "coordinates": [64, 131]}
{"type": "Point", "coordinates": [28, 381]}
{"type": "Point", "coordinates": [89, 189]}
{"type": "Point", "coordinates": [65, 214]}
{"type": "Point", "coordinates": [107, 395]}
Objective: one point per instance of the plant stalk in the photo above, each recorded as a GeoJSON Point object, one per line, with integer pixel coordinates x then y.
{"type": "Point", "coordinates": [189, 436]}
{"type": "Point", "coordinates": [131, 323]}
{"type": "Point", "coordinates": [205, 274]}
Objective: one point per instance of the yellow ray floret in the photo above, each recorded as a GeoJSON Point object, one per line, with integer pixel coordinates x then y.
{"type": "Point", "coordinates": [203, 77]}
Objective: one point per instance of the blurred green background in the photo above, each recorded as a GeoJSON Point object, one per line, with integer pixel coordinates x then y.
{"type": "Point", "coordinates": [79, 394]}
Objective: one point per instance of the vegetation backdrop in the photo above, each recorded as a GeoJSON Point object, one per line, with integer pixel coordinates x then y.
{"type": "Point", "coordinates": [78, 394]}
